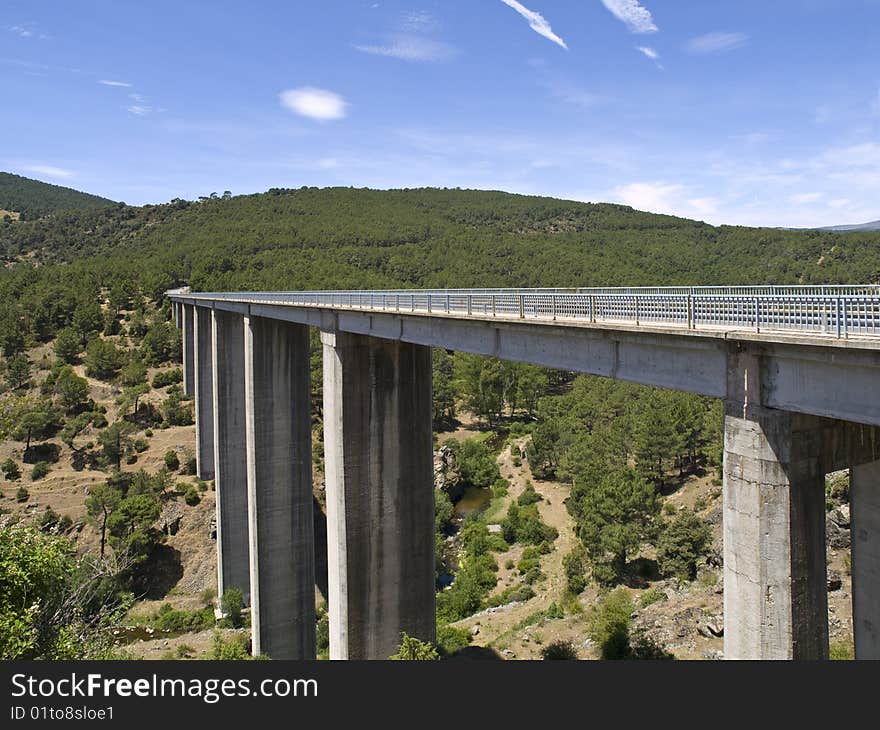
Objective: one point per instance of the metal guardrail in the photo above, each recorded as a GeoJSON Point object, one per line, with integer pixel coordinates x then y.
{"type": "Point", "coordinates": [836, 311]}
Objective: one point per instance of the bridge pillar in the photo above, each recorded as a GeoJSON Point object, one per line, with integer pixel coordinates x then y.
{"type": "Point", "coordinates": [865, 503]}
{"type": "Point", "coordinates": [230, 455]}
{"type": "Point", "coordinates": [189, 348]}
{"type": "Point", "coordinates": [204, 392]}
{"type": "Point", "coordinates": [380, 494]}
{"type": "Point", "coordinates": [775, 590]}
{"type": "Point", "coordinates": [279, 481]}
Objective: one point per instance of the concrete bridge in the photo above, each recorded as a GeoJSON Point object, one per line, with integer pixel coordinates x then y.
{"type": "Point", "coordinates": [798, 369]}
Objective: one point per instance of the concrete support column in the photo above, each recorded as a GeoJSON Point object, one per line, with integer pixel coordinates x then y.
{"type": "Point", "coordinates": [204, 393]}
{"type": "Point", "coordinates": [189, 348]}
{"type": "Point", "coordinates": [230, 454]}
{"type": "Point", "coordinates": [865, 504]}
{"type": "Point", "coordinates": [380, 494]}
{"type": "Point", "coordinates": [775, 590]}
{"type": "Point", "coordinates": [279, 480]}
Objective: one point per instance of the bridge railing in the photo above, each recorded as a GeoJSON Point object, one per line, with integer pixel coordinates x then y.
{"type": "Point", "coordinates": [837, 311]}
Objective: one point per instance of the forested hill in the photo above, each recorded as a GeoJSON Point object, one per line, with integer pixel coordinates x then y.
{"type": "Point", "coordinates": [31, 199]}
{"type": "Point", "coordinates": [311, 238]}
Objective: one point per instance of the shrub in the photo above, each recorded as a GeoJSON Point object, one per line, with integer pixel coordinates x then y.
{"type": "Point", "coordinates": [140, 445]}
{"type": "Point", "coordinates": [11, 470]}
{"type": "Point", "coordinates": [191, 496]}
{"type": "Point", "coordinates": [609, 624]}
{"type": "Point", "coordinates": [40, 470]}
{"type": "Point", "coordinates": [451, 639]}
{"type": "Point", "coordinates": [167, 377]}
{"type": "Point", "coordinates": [168, 619]}
{"type": "Point", "coordinates": [171, 461]}
{"type": "Point", "coordinates": [529, 496]}
{"type": "Point", "coordinates": [22, 495]}
{"type": "Point", "coordinates": [189, 466]}
{"type": "Point", "coordinates": [509, 564]}
{"type": "Point", "coordinates": [232, 648]}
{"type": "Point", "coordinates": [231, 603]}
{"type": "Point", "coordinates": [682, 543]}
{"type": "Point", "coordinates": [841, 650]}
{"type": "Point", "coordinates": [499, 488]}
{"type": "Point", "coordinates": [655, 595]}
{"type": "Point", "coordinates": [575, 566]}
{"type": "Point", "coordinates": [411, 649]}
{"type": "Point", "coordinates": [560, 650]}
{"type": "Point", "coordinates": [148, 433]}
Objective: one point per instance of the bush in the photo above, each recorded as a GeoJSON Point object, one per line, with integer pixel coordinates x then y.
{"type": "Point", "coordinates": [451, 639]}
{"type": "Point", "coordinates": [191, 496]}
{"type": "Point", "coordinates": [411, 649]}
{"type": "Point", "coordinates": [682, 543]}
{"type": "Point", "coordinates": [609, 624]}
{"type": "Point", "coordinates": [575, 566]}
{"type": "Point", "coordinates": [148, 433]}
{"type": "Point", "coordinates": [499, 488]}
{"type": "Point", "coordinates": [167, 377]}
{"type": "Point", "coordinates": [229, 649]}
{"type": "Point", "coordinates": [167, 619]}
{"type": "Point", "coordinates": [172, 463]}
{"type": "Point", "coordinates": [560, 650]}
{"type": "Point", "coordinates": [475, 462]}
{"type": "Point", "coordinates": [841, 650]}
{"type": "Point", "coordinates": [655, 595]}
{"type": "Point", "coordinates": [11, 470]}
{"type": "Point", "coordinates": [231, 603]}
{"type": "Point", "coordinates": [140, 445]}
{"type": "Point", "coordinates": [22, 495]}
{"type": "Point", "coordinates": [529, 496]}
{"type": "Point", "coordinates": [524, 525]}
{"type": "Point", "coordinates": [40, 470]}
{"type": "Point", "coordinates": [189, 466]}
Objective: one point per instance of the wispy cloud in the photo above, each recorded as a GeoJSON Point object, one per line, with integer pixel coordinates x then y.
{"type": "Point", "coordinates": [314, 103]}
{"type": "Point", "coordinates": [636, 17]}
{"type": "Point", "coordinates": [110, 82]}
{"type": "Point", "coordinates": [411, 48]}
{"type": "Point", "coordinates": [716, 42]}
{"type": "Point", "coordinates": [805, 198]}
{"type": "Point", "coordinates": [26, 31]}
{"type": "Point", "coordinates": [652, 54]}
{"type": "Point", "coordinates": [139, 110]}
{"type": "Point", "coordinates": [420, 21]}
{"type": "Point", "coordinates": [49, 171]}
{"type": "Point", "coordinates": [536, 22]}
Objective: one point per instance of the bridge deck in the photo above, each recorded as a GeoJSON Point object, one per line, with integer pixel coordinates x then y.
{"type": "Point", "coordinates": [822, 313]}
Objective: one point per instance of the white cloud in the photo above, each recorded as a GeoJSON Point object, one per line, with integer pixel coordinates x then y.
{"type": "Point", "coordinates": [109, 82]}
{"type": "Point", "coordinates": [411, 48]}
{"type": "Point", "coordinates": [705, 207]}
{"type": "Point", "coordinates": [839, 203]}
{"type": "Point", "coordinates": [313, 103]}
{"type": "Point", "coordinates": [536, 22]}
{"type": "Point", "coordinates": [716, 42]}
{"type": "Point", "coordinates": [21, 31]}
{"type": "Point", "coordinates": [805, 198]}
{"type": "Point", "coordinates": [49, 171]}
{"type": "Point", "coordinates": [419, 21]}
{"type": "Point", "coordinates": [656, 197]}
{"type": "Point", "coordinates": [649, 52]}
{"type": "Point", "coordinates": [636, 17]}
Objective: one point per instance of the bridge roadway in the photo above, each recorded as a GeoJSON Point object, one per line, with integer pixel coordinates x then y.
{"type": "Point", "coordinates": [798, 369]}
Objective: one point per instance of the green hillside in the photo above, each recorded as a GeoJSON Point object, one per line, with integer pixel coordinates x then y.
{"type": "Point", "coordinates": [350, 238]}
{"type": "Point", "coordinates": [33, 199]}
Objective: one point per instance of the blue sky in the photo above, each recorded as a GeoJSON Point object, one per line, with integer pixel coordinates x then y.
{"type": "Point", "coordinates": [730, 111]}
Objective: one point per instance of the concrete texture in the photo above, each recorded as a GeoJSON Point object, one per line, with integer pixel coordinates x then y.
{"type": "Point", "coordinates": [775, 595]}
{"type": "Point", "coordinates": [865, 504]}
{"type": "Point", "coordinates": [230, 454]}
{"type": "Point", "coordinates": [279, 470]}
{"type": "Point", "coordinates": [380, 497]}
{"type": "Point", "coordinates": [204, 392]}
{"type": "Point", "coordinates": [189, 349]}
